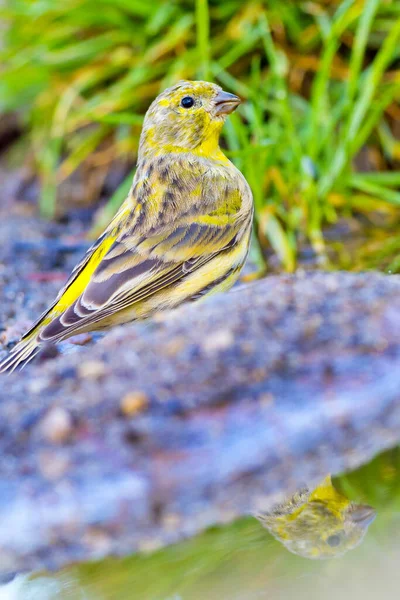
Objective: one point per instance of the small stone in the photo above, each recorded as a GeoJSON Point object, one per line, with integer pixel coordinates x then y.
{"type": "Point", "coordinates": [91, 369]}
{"type": "Point", "coordinates": [56, 426]}
{"type": "Point", "coordinates": [133, 403]}
{"type": "Point", "coordinates": [220, 340]}
{"type": "Point", "coordinates": [81, 339]}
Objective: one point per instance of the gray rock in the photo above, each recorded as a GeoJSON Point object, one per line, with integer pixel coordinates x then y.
{"type": "Point", "coordinates": [244, 398]}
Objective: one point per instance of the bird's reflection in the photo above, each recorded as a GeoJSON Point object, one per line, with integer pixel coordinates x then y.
{"type": "Point", "coordinates": [318, 524]}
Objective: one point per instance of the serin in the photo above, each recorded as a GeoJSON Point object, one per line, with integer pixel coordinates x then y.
{"type": "Point", "coordinates": [182, 232]}
{"type": "Point", "coordinates": [320, 523]}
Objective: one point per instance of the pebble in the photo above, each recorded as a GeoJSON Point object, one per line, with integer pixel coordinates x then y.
{"type": "Point", "coordinates": [133, 403]}
{"type": "Point", "coordinates": [92, 369]}
{"type": "Point", "coordinates": [220, 340]}
{"type": "Point", "coordinates": [57, 426]}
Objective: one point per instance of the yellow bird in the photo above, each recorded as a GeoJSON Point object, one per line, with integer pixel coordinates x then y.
{"type": "Point", "coordinates": [182, 232]}
{"type": "Point", "coordinates": [318, 524]}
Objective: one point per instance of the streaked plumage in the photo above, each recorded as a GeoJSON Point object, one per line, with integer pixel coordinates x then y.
{"type": "Point", "coordinates": [319, 524]}
{"type": "Point", "coordinates": [182, 232]}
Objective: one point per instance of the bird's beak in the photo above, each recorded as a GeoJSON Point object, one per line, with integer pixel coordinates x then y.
{"type": "Point", "coordinates": [226, 103]}
{"type": "Point", "coordinates": [363, 515]}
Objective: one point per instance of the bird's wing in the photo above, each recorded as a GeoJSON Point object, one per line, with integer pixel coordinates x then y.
{"type": "Point", "coordinates": [80, 274]}
{"type": "Point", "coordinates": [133, 269]}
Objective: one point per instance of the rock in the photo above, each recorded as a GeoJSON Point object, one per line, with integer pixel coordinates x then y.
{"type": "Point", "coordinates": [302, 379]}
{"type": "Point", "coordinates": [254, 393]}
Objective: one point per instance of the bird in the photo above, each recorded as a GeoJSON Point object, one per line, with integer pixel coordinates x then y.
{"type": "Point", "coordinates": [320, 523]}
{"type": "Point", "coordinates": [183, 231]}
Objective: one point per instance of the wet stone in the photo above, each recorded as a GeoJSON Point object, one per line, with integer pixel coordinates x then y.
{"type": "Point", "coordinates": [56, 427]}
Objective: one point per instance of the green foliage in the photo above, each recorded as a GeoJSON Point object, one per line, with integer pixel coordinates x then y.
{"type": "Point", "coordinates": [319, 78]}
{"type": "Point", "coordinates": [376, 482]}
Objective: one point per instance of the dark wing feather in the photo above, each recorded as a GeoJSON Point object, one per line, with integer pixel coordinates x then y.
{"type": "Point", "coordinates": [126, 277]}
{"type": "Point", "coordinates": [74, 274]}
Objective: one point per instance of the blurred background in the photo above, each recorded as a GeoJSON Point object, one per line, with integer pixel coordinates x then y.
{"type": "Point", "coordinates": [318, 137]}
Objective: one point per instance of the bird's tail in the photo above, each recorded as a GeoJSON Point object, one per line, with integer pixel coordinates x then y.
{"type": "Point", "coordinates": [20, 355]}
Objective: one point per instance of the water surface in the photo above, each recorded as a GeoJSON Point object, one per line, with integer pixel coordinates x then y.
{"type": "Point", "coordinates": [244, 561]}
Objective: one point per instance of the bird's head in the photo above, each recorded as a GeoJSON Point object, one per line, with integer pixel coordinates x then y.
{"type": "Point", "coordinates": [319, 524]}
{"type": "Point", "coordinates": [187, 117]}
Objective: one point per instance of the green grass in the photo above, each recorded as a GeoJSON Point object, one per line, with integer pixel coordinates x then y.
{"type": "Point", "coordinates": [321, 82]}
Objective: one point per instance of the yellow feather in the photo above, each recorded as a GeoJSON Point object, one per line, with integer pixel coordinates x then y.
{"type": "Point", "coordinates": [79, 284]}
{"type": "Point", "coordinates": [318, 524]}
{"type": "Point", "coordinates": [182, 232]}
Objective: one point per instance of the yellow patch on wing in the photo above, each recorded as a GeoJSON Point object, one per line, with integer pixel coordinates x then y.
{"type": "Point", "coordinates": [78, 285]}
{"type": "Point", "coordinates": [213, 220]}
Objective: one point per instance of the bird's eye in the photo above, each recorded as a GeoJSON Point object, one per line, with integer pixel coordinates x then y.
{"type": "Point", "coordinates": [187, 102]}
{"type": "Point", "coordinates": [333, 540]}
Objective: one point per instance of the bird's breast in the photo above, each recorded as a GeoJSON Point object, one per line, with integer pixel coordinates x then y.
{"type": "Point", "coordinates": [167, 186]}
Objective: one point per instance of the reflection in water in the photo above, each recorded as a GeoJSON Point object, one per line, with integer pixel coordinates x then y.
{"type": "Point", "coordinates": [242, 561]}
{"type": "Point", "coordinates": [318, 524]}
